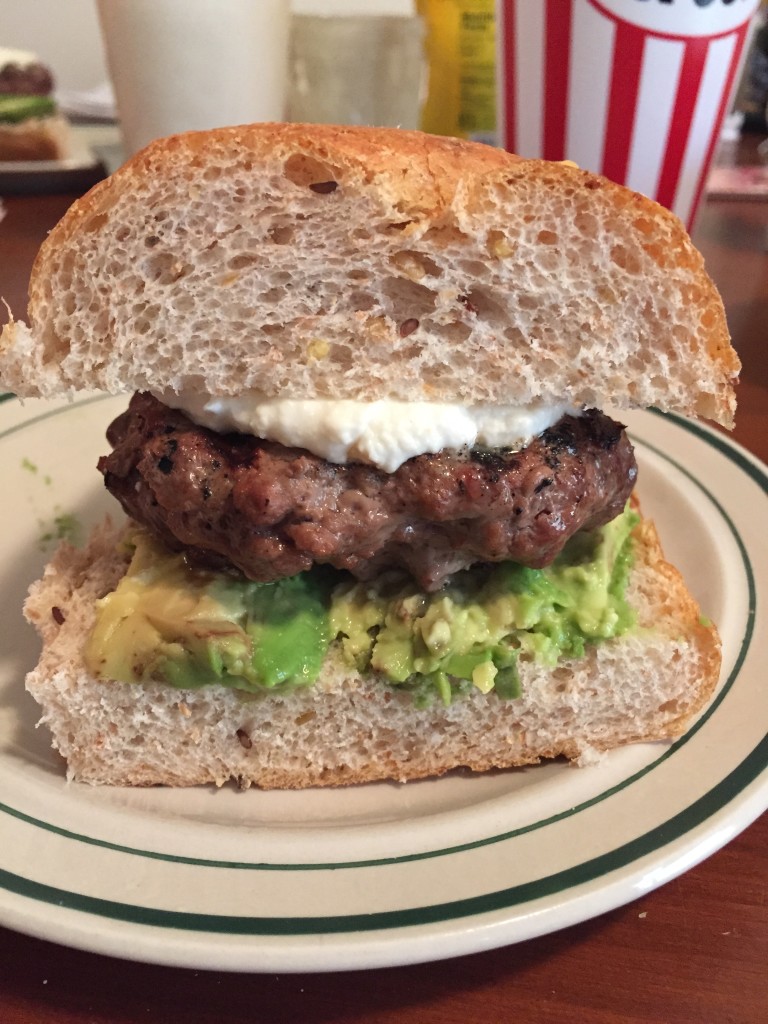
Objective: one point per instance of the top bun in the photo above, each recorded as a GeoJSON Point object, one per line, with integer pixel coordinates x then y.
{"type": "Point", "coordinates": [310, 261]}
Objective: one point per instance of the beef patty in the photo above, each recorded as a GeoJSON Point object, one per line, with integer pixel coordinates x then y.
{"type": "Point", "coordinates": [271, 511]}
{"type": "Point", "coordinates": [25, 80]}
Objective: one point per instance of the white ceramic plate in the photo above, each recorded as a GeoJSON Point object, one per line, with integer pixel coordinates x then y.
{"type": "Point", "coordinates": [379, 874]}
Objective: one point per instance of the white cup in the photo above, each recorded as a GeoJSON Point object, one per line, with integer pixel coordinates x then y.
{"type": "Point", "coordinates": [181, 65]}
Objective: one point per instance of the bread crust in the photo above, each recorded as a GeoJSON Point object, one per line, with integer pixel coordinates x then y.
{"type": "Point", "coordinates": [294, 260]}
{"type": "Point", "coordinates": [347, 729]}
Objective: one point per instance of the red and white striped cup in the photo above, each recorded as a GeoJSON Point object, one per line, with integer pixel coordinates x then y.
{"type": "Point", "coordinates": [636, 90]}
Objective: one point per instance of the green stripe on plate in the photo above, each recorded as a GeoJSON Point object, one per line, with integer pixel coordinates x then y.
{"type": "Point", "coordinates": [676, 827]}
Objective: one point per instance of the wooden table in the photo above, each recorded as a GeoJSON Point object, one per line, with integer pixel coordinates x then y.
{"type": "Point", "coordinates": [693, 951]}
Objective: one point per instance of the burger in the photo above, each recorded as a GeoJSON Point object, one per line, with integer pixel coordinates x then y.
{"type": "Point", "coordinates": [378, 523]}
{"type": "Point", "coordinates": [31, 126]}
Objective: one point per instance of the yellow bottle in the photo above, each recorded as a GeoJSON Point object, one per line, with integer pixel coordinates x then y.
{"type": "Point", "coordinates": [461, 53]}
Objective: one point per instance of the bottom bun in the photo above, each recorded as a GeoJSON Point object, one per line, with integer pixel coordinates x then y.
{"type": "Point", "coordinates": [645, 685]}
{"type": "Point", "coordinates": [37, 138]}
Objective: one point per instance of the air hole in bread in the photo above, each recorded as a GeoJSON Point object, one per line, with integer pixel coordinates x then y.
{"type": "Point", "coordinates": [305, 170]}
{"type": "Point", "coordinates": [586, 223]}
{"type": "Point", "coordinates": [659, 253]}
{"type": "Point", "coordinates": [645, 225]}
{"type": "Point", "coordinates": [607, 295]}
{"type": "Point", "coordinates": [272, 297]}
{"type": "Point", "coordinates": [437, 372]}
{"type": "Point", "coordinates": [415, 265]}
{"type": "Point", "coordinates": [473, 268]}
{"type": "Point", "coordinates": [183, 303]}
{"type": "Point", "coordinates": [281, 234]}
{"type": "Point", "coordinates": [625, 259]}
{"type": "Point", "coordinates": [361, 301]}
{"type": "Point", "coordinates": [515, 335]}
{"type": "Point", "coordinates": [97, 222]}
{"type": "Point", "coordinates": [432, 268]}
{"type": "Point", "coordinates": [454, 332]}
{"type": "Point", "coordinates": [394, 227]}
{"type": "Point", "coordinates": [549, 260]}
{"type": "Point", "coordinates": [484, 305]}
{"type": "Point", "coordinates": [341, 357]}
{"type": "Point", "coordinates": [324, 188]}
{"type": "Point", "coordinates": [165, 268]}
{"type": "Point", "coordinates": [407, 298]}
{"type": "Point", "coordinates": [444, 236]}
{"type": "Point", "coordinates": [115, 268]}
{"type": "Point", "coordinates": [672, 706]}
{"type": "Point", "coordinates": [241, 260]}
{"type": "Point", "coordinates": [547, 237]}
{"type": "Point", "coordinates": [66, 266]}
{"type": "Point", "coordinates": [242, 311]}
{"type": "Point", "coordinates": [412, 352]}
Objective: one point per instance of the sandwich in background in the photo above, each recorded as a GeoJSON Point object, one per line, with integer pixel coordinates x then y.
{"type": "Point", "coordinates": [31, 126]}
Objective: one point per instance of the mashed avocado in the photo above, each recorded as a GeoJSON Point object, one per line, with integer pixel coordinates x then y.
{"type": "Point", "coordinates": [14, 108]}
{"type": "Point", "coordinates": [167, 621]}
{"type": "Point", "coordinates": [472, 632]}
{"type": "Point", "coordinates": [172, 623]}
